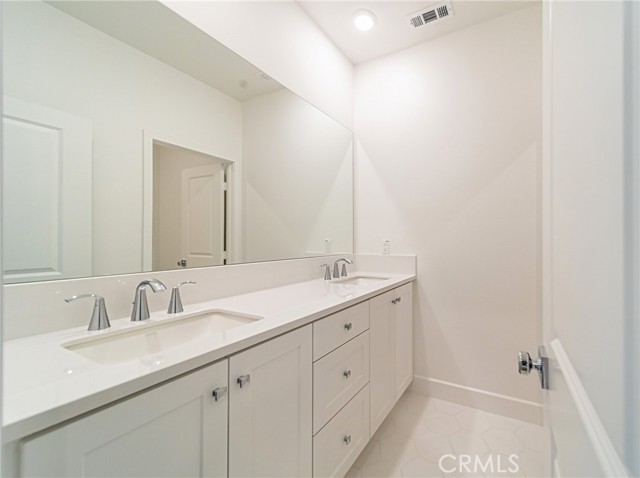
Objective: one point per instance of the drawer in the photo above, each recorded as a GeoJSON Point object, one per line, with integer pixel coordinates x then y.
{"type": "Point", "coordinates": [333, 331]}
{"type": "Point", "coordinates": [337, 377]}
{"type": "Point", "coordinates": [338, 444]}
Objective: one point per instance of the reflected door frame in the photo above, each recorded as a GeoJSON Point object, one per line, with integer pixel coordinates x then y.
{"type": "Point", "coordinates": [233, 238]}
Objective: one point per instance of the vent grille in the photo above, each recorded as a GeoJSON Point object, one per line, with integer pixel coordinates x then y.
{"type": "Point", "coordinates": [429, 15]}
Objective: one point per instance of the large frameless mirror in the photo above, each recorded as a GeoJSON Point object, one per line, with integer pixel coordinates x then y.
{"type": "Point", "coordinates": [135, 142]}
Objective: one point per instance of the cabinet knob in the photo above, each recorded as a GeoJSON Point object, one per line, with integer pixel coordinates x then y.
{"type": "Point", "coordinates": [243, 380]}
{"type": "Point", "coordinates": [347, 439]}
{"type": "Point", "coordinates": [393, 301]}
{"type": "Point", "coordinates": [346, 374]}
{"type": "Point", "coordinates": [348, 326]}
{"type": "Point", "coordinates": [218, 393]}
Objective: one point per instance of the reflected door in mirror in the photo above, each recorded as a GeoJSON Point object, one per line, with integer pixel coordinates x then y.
{"type": "Point", "coordinates": [189, 220]}
{"type": "Point", "coordinates": [47, 181]}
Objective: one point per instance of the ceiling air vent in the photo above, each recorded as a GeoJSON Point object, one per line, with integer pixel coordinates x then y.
{"type": "Point", "coordinates": [430, 15]}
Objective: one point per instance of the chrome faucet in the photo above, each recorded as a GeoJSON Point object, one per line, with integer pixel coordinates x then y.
{"type": "Point", "coordinates": [140, 305]}
{"type": "Point", "coordinates": [336, 273]}
{"type": "Point", "coordinates": [327, 271]}
{"type": "Point", "coordinates": [175, 304]}
{"type": "Point", "coordinates": [99, 317]}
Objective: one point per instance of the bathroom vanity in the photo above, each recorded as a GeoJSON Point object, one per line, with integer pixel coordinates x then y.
{"type": "Point", "coordinates": [297, 391]}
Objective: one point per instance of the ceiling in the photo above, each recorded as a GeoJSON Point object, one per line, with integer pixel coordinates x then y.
{"type": "Point", "coordinates": [392, 31]}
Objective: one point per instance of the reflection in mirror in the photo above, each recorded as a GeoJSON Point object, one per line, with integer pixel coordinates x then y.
{"type": "Point", "coordinates": [189, 208]}
{"type": "Point", "coordinates": [134, 141]}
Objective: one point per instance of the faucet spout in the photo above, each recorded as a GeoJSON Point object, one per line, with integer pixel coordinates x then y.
{"type": "Point", "coordinates": [336, 272]}
{"type": "Point", "coordinates": [140, 305]}
{"type": "Point", "coordinates": [155, 284]}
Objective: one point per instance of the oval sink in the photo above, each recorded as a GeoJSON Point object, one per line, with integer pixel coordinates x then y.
{"type": "Point", "coordinates": [362, 280]}
{"type": "Point", "coordinates": [152, 338]}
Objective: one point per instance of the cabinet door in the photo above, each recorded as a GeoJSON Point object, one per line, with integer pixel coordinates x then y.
{"type": "Point", "coordinates": [403, 311]}
{"type": "Point", "coordinates": [270, 414]}
{"type": "Point", "coordinates": [382, 358]}
{"type": "Point", "coordinates": [176, 429]}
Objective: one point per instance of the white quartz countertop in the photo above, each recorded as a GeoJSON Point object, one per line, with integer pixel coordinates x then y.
{"type": "Point", "coordinates": [46, 384]}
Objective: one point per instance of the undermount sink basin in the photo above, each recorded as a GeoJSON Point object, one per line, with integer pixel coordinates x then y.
{"type": "Point", "coordinates": [153, 338]}
{"type": "Point", "coordinates": [363, 280]}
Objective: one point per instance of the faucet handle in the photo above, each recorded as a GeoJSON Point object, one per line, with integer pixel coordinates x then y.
{"type": "Point", "coordinates": [175, 304]}
{"type": "Point", "coordinates": [185, 282]}
{"type": "Point", "coordinates": [327, 271]}
{"type": "Point", "coordinates": [99, 317]}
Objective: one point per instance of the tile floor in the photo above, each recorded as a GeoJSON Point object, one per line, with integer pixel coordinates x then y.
{"type": "Point", "coordinates": [420, 430]}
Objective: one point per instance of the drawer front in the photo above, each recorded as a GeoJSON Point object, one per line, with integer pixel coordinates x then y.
{"type": "Point", "coordinates": [337, 377]}
{"type": "Point", "coordinates": [338, 444]}
{"type": "Point", "coordinates": [333, 331]}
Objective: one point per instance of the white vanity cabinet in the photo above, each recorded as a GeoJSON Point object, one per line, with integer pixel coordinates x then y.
{"type": "Point", "coordinates": [175, 429]}
{"type": "Point", "coordinates": [302, 404]}
{"type": "Point", "coordinates": [270, 408]}
{"type": "Point", "coordinates": [391, 358]}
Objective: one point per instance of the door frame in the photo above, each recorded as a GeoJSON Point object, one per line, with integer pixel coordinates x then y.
{"type": "Point", "coordinates": [232, 231]}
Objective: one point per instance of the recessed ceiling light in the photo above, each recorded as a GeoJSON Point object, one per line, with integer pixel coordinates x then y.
{"type": "Point", "coordinates": [364, 20]}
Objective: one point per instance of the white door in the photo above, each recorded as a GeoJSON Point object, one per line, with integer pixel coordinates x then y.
{"type": "Point", "coordinates": [590, 236]}
{"type": "Point", "coordinates": [270, 432]}
{"type": "Point", "coordinates": [203, 219]}
{"type": "Point", "coordinates": [175, 430]}
{"type": "Point", "coordinates": [47, 193]}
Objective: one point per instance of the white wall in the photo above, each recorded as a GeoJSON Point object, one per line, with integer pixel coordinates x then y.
{"type": "Point", "coordinates": [447, 168]}
{"type": "Point", "coordinates": [122, 91]}
{"type": "Point", "coordinates": [279, 38]}
{"type": "Point", "coordinates": [297, 167]}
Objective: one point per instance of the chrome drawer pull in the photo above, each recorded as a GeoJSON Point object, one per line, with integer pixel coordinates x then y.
{"type": "Point", "coordinates": [347, 374]}
{"type": "Point", "coordinates": [347, 439]}
{"type": "Point", "coordinates": [348, 326]}
{"type": "Point", "coordinates": [243, 380]}
{"type": "Point", "coordinates": [218, 393]}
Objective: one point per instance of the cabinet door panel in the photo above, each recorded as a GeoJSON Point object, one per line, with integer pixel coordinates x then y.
{"type": "Point", "coordinates": [270, 415]}
{"type": "Point", "coordinates": [403, 311]}
{"type": "Point", "coordinates": [382, 360]}
{"type": "Point", "coordinates": [176, 429]}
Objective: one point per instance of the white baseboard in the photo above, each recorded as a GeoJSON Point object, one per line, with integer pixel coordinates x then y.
{"type": "Point", "coordinates": [481, 399]}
